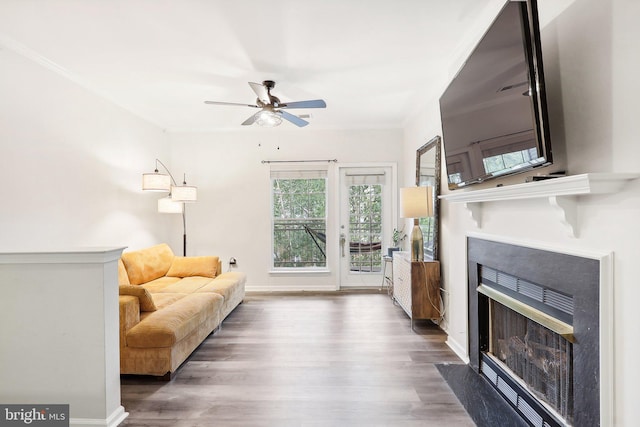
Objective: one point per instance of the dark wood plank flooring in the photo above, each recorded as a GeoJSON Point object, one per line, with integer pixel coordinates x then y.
{"type": "Point", "coordinates": [306, 359]}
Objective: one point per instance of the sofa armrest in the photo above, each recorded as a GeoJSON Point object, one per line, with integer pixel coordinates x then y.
{"type": "Point", "coordinates": [129, 316]}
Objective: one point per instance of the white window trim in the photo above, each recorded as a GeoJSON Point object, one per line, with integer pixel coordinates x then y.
{"type": "Point", "coordinates": [299, 171]}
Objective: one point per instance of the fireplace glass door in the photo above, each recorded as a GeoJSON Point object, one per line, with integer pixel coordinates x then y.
{"type": "Point", "coordinates": [539, 357]}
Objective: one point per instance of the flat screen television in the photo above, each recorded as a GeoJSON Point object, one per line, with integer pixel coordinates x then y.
{"type": "Point", "coordinates": [494, 112]}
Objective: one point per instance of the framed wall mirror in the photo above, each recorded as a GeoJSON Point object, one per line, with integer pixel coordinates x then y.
{"type": "Point", "coordinates": [428, 174]}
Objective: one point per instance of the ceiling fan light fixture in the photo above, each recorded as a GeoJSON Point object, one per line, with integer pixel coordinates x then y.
{"type": "Point", "coordinates": [268, 118]}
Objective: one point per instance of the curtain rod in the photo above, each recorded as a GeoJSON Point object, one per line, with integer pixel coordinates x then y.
{"type": "Point", "coordinates": [300, 161]}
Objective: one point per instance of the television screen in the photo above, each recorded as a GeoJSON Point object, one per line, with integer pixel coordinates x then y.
{"type": "Point", "coordinates": [494, 115]}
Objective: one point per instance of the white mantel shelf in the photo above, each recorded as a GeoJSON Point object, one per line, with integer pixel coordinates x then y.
{"type": "Point", "coordinates": [561, 193]}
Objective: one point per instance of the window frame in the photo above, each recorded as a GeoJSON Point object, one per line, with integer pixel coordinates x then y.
{"type": "Point", "coordinates": [296, 171]}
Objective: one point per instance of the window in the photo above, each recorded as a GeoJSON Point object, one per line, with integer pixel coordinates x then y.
{"type": "Point", "coordinates": [365, 227]}
{"type": "Point", "coordinates": [299, 220]}
{"type": "Point", "coordinates": [455, 178]}
{"type": "Point", "coordinates": [427, 226]}
{"type": "Point", "coordinates": [501, 162]}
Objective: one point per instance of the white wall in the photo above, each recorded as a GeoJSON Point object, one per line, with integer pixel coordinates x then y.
{"type": "Point", "coordinates": [71, 164]}
{"type": "Point", "coordinates": [590, 54]}
{"type": "Point", "coordinates": [232, 215]}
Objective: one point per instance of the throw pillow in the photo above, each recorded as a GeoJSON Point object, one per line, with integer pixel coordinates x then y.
{"type": "Point", "coordinates": [204, 266]}
{"type": "Point", "coordinates": [147, 264]}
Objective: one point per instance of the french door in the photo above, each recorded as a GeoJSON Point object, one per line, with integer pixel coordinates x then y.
{"type": "Point", "coordinates": [365, 224]}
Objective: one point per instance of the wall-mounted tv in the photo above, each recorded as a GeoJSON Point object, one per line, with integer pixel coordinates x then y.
{"type": "Point", "coordinates": [494, 112]}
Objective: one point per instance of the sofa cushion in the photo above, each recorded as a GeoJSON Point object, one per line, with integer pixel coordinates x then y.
{"type": "Point", "coordinates": [226, 285]}
{"type": "Point", "coordinates": [146, 302]}
{"type": "Point", "coordinates": [166, 327]}
{"type": "Point", "coordinates": [188, 285]}
{"type": "Point", "coordinates": [231, 286]}
{"type": "Point", "coordinates": [163, 300]}
{"type": "Point", "coordinates": [123, 278]}
{"type": "Point", "coordinates": [204, 266]}
{"type": "Point", "coordinates": [147, 264]}
{"type": "Point", "coordinates": [160, 284]}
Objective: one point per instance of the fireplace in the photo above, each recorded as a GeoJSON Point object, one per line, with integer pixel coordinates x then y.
{"type": "Point", "coordinates": [539, 357]}
{"type": "Point", "coordinates": [534, 330]}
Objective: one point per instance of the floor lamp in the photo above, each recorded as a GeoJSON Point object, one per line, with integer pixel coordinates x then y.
{"type": "Point", "coordinates": [416, 203]}
{"type": "Point", "coordinates": [175, 201]}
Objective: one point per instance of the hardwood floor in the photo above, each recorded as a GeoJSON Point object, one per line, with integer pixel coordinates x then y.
{"type": "Point", "coordinates": [307, 359]}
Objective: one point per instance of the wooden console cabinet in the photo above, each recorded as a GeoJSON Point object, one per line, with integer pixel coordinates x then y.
{"type": "Point", "coordinates": [416, 286]}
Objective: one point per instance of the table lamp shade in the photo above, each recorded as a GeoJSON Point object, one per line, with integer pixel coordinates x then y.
{"type": "Point", "coordinates": [416, 202]}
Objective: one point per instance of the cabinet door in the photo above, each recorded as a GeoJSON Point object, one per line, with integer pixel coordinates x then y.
{"type": "Point", "coordinates": [402, 281]}
{"type": "Point", "coordinates": [425, 290]}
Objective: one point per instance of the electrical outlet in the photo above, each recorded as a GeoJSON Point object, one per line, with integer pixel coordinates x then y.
{"type": "Point", "coordinates": [232, 261]}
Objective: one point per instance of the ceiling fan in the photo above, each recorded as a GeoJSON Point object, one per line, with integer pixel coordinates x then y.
{"type": "Point", "coordinates": [271, 108]}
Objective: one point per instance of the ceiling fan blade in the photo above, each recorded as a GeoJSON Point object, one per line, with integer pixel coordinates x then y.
{"type": "Point", "coordinates": [315, 103]}
{"type": "Point", "coordinates": [251, 120]}
{"type": "Point", "coordinates": [230, 103]}
{"type": "Point", "coordinates": [293, 119]}
{"type": "Point", "coordinates": [261, 91]}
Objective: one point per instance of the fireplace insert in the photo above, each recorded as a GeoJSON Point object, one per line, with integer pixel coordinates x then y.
{"type": "Point", "coordinates": [534, 330]}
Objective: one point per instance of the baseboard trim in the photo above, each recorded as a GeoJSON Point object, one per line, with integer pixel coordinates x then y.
{"type": "Point", "coordinates": [460, 351]}
{"type": "Point", "coordinates": [117, 417]}
{"type": "Point", "coordinates": [286, 288]}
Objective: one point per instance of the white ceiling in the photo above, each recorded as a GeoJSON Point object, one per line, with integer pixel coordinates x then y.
{"type": "Point", "coordinates": [373, 61]}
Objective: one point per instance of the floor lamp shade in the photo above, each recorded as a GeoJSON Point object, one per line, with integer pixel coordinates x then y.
{"type": "Point", "coordinates": [167, 205]}
{"type": "Point", "coordinates": [156, 182]}
{"type": "Point", "coordinates": [416, 202]}
{"type": "Point", "coordinates": [184, 193]}
{"type": "Point", "coordinates": [175, 201]}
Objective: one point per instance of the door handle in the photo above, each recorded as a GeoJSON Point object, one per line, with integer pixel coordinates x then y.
{"type": "Point", "coordinates": [343, 239]}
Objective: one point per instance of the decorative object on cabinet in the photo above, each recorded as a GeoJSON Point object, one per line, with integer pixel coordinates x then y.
{"type": "Point", "coordinates": [178, 195]}
{"type": "Point", "coordinates": [428, 174]}
{"type": "Point", "coordinates": [416, 286]}
{"type": "Point", "coordinates": [398, 236]}
{"type": "Point", "coordinates": [416, 203]}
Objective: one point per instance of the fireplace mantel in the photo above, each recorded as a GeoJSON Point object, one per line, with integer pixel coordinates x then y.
{"type": "Point", "coordinates": [561, 193]}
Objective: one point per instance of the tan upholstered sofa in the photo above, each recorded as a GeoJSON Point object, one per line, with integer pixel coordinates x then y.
{"type": "Point", "coordinates": [169, 305]}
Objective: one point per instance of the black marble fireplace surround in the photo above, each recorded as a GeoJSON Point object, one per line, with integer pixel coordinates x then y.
{"type": "Point", "coordinates": [567, 274]}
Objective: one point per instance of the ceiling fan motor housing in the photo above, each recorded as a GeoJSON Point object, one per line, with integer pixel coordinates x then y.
{"type": "Point", "coordinates": [273, 100]}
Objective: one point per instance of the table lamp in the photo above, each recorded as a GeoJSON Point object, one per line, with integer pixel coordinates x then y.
{"type": "Point", "coordinates": [416, 203]}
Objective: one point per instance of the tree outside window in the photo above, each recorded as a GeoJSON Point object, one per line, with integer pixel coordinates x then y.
{"type": "Point", "coordinates": [299, 223]}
